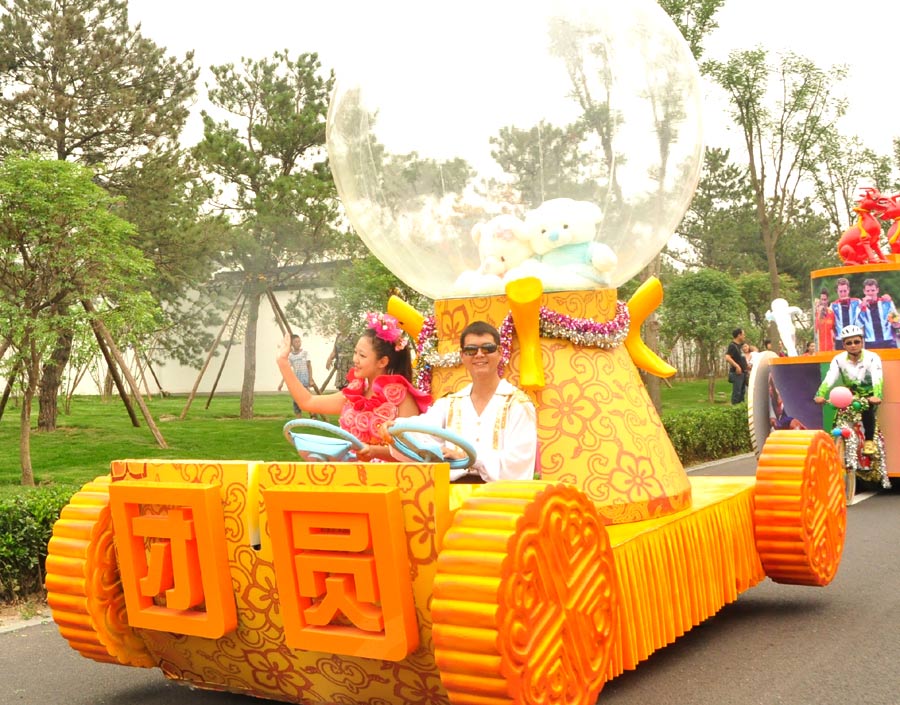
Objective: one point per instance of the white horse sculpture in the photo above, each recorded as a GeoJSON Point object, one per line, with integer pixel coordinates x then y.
{"type": "Point", "coordinates": [783, 314]}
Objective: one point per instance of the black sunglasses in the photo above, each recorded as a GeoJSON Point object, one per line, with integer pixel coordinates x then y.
{"type": "Point", "coordinates": [855, 341]}
{"type": "Point", "coordinates": [486, 348]}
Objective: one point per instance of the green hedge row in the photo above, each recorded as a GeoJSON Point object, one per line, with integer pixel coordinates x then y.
{"type": "Point", "coordinates": [26, 524]}
{"type": "Point", "coordinates": [26, 521]}
{"type": "Point", "coordinates": [701, 435]}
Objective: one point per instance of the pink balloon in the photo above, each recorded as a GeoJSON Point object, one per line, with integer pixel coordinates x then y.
{"type": "Point", "coordinates": [841, 397]}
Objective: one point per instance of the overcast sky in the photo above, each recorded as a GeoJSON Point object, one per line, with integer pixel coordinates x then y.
{"type": "Point", "coordinates": [824, 32]}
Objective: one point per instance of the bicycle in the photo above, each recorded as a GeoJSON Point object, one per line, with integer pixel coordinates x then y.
{"type": "Point", "coordinates": [849, 438]}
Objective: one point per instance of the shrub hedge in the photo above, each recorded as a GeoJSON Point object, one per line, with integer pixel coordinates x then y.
{"type": "Point", "coordinates": [26, 520]}
{"type": "Point", "coordinates": [26, 524]}
{"type": "Point", "coordinates": [700, 435]}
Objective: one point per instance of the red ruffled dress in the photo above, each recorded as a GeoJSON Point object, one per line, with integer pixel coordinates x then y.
{"type": "Point", "coordinates": [362, 415]}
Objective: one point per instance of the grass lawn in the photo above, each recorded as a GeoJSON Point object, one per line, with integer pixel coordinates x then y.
{"type": "Point", "coordinates": [693, 393]}
{"type": "Point", "coordinates": [97, 432]}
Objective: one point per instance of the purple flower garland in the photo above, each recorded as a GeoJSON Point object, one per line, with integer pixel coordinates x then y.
{"type": "Point", "coordinates": [581, 331]}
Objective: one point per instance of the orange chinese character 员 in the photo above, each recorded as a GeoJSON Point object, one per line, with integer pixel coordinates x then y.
{"type": "Point", "coordinates": [343, 571]}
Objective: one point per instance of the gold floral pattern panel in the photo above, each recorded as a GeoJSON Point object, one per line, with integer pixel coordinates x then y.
{"type": "Point", "coordinates": [255, 658]}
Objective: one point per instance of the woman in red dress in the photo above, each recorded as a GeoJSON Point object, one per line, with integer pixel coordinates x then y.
{"type": "Point", "coordinates": [379, 387]}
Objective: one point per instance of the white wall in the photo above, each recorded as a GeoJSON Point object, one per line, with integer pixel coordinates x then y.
{"type": "Point", "coordinates": [179, 379]}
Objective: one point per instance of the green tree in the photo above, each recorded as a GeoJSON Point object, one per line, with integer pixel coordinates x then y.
{"type": "Point", "coordinates": [277, 189]}
{"type": "Point", "coordinates": [79, 84]}
{"type": "Point", "coordinates": [59, 241]}
{"type": "Point", "coordinates": [544, 162]}
{"type": "Point", "coordinates": [755, 290]}
{"type": "Point", "coordinates": [364, 284]}
{"type": "Point", "coordinates": [720, 226]}
{"type": "Point", "coordinates": [845, 165]}
{"type": "Point", "coordinates": [702, 308]}
{"type": "Point", "coordinates": [165, 197]}
{"type": "Point", "coordinates": [807, 245]}
{"type": "Point", "coordinates": [695, 19]}
{"type": "Point", "coordinates": [781, 141]}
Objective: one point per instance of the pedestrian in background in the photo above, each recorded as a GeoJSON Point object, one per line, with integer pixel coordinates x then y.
{"type": "Point", "coordinates": [737, 366]}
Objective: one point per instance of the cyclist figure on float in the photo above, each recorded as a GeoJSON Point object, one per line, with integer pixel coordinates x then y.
{"type": "Point", "coordinates": [859, 370]}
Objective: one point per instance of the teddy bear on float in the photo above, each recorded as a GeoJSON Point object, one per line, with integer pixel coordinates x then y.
{"type": "Point", "coordinates": [555, 243]}
{"type": "Point", "coordinates": [561, 232]}
{"type": "Point", "coordinates": [503, 244]}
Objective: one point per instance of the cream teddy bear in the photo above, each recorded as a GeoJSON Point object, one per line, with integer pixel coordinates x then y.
{"type": "Point", "coordinates": [561, 232]}
{"type": "Point", "coordinates": [503, 244]}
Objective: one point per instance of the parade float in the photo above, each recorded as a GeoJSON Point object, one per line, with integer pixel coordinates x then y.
{"type": "Point", "coordinates": [347, 582]}
{"type": "Point", "coordinates": [859, 290]}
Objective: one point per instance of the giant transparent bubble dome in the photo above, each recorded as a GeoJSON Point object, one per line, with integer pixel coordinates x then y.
{"type": "Point", "coordinates": [477, 143]}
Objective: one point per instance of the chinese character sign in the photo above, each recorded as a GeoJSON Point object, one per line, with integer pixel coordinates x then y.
{"type": "Point", "coordinates": [343, 570]}
{"type": "Point", "coordinates": [173, 560]}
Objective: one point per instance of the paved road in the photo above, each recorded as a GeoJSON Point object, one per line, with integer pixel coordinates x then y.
{"type": "Point", "coordinates": [777, 644]}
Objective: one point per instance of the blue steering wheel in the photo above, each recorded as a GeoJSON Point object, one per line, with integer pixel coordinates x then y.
{"type": "Point", "coordinates": [427, 450]}
{"type": "Point", "coordinates": [338, 446]}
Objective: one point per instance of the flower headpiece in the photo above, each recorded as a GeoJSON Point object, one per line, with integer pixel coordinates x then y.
{"type": "Point", "coordinates": [387, 328]}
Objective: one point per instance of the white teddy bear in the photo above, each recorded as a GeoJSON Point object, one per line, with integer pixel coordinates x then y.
{"type": "Point", "coordinates": [561, 232]}
{"type": "Point", "coordinates": [503, 244]}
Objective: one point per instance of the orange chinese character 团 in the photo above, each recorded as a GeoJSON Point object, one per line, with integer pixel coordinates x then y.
{"type": "Point", "coordinates": [173, 563]}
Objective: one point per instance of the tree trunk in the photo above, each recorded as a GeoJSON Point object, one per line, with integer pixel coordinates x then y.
{"type": "Point", "coordinates": [51, 381]}
{"type": "Point", "coordinates": [10, 380]}
{"type": "Point", "coordinates": [31, 372]}
{"type": "Point", "coordinates": [106, 342]}
{"type": "Point", "coordinates": [25, 437]}
{"type": "Point", "coordinates": [106, 392]}
{"type": "Point", "coordinates": [250, 355]}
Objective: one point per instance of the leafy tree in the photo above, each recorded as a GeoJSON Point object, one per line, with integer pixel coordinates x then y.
{"type": "Point", "coordinates": [695, 19]}
{"type": "Point", "coordinates": [720, 226]}
{"type": "Point", "coordinates": [755, 290]}
{"type": "Point", "coordinates": [364, 284]}
{"type": "Point", "coordinates": [79, 84]}
{"type": "Point", "coordinates": [780, 142]}
{"type": "Point", "coordinates": [703, 308]}
{"type": "Point", "coordinates": [845, 165]}
{"type": "Point", "coordinates": [807, 245]}
{"type": "Point", "coordinates": [59, 241]}
{"type": "Point", "coordinates": [165, 196]}
{"type": "Point", "coordinates": [544, 161]}
{"type": "Point", "coordinates": [277, 189]}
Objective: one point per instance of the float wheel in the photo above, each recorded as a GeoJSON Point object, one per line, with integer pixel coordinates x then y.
{"type": "Point", "coordinates": [525, 597]}
{"type": "Point", "coordinates": [84, 590]}
{"type": "Point", "coordinates": [800, 510]}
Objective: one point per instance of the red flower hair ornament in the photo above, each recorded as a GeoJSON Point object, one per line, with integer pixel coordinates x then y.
{"type": "Point", "coordinates": [387, 328]}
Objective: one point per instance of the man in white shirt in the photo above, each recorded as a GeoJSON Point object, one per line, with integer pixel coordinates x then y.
{"type": "Point", "coordinates": [498, 419]}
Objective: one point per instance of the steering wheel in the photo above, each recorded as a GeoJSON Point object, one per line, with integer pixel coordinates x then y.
{"type": "Point", "coordinates": [427, 450]}
{"type": "Point", "coordinates": [338, 446]}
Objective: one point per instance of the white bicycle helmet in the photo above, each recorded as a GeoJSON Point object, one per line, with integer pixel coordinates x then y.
{"type": "Point", "coordinates": [850, 331]}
